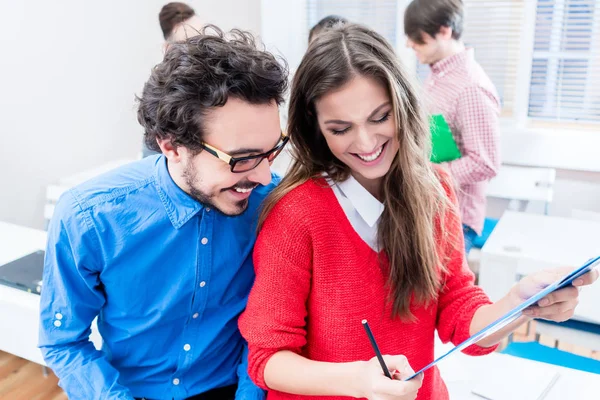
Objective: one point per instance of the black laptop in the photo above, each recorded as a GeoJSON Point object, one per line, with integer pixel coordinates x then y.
{"type": "Point", "coordinates": [24, 273]}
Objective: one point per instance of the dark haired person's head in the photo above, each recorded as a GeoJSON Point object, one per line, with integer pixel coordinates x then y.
{"type": "Point", "coordinates": [433, 28]}
{"type": "Point", "coordinates": [325, 23]}
{"type": "Point", "coordinates": [178, 21]}
{"type": "Point", "coordinates": [211, 107]}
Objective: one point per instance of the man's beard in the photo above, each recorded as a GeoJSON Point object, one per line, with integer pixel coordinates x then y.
{"type": "Point", "coordinates": [190, 176]}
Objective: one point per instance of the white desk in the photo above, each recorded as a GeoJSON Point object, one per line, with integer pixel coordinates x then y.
{"type": "Point", "coordinates": [524, 243]}
{"type": "Point", "coordinates": [19, 310]}
{"type": "Point", "coordinates": [461, 372]}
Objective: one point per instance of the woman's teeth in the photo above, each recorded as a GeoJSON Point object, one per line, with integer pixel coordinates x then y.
{"type": "Point", "coordinates": [372, 156]}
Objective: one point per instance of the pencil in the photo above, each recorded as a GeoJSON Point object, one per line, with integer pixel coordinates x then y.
{"type": "Point", "coordinates": [386, 371]}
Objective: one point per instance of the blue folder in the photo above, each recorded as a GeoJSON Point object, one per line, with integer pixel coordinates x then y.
{"type": "Point", "coordinates": [516, 312]}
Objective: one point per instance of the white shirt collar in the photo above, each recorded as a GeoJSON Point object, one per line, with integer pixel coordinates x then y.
{"type": "Point", "coordinates": [367, 206]}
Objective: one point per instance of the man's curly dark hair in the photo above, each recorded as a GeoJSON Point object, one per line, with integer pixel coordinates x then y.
{"type": "Point", "coordinates": [201, 73]}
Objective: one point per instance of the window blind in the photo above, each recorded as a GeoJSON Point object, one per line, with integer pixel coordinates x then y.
{"type": "Point", "coordinates": [565, 73]}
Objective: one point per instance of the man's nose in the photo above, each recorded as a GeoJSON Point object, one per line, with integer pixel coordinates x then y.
{"type": "Point", "coordinates": [262, 173]}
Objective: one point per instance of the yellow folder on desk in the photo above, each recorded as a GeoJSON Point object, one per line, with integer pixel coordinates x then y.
{"type": "Point", "coordinates": [444, 147]}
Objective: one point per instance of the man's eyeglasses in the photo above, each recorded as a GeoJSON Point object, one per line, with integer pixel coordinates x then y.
{"type": "Point", "coordinates": [245, 164]}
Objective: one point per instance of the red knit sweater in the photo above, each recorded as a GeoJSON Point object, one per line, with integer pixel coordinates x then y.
{"type": "Point", "coordinates": [316, 279]}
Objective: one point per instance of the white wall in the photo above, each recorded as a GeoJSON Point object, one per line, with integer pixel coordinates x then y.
{"type": "Point", "coordinates": [70, 70]}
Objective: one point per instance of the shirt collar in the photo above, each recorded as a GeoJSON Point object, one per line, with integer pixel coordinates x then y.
{"type": "Point", "coordinates": [367, 206]}
{"type": "Point", "coordinates": [179, 205]}
{"type": "Point", "coordinates": [449, 63]}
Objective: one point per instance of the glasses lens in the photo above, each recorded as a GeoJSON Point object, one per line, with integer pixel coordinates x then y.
{"type": "Point", "coordinates": [246, 165]}
{"type": "Point", "coordinates": [274, 154]}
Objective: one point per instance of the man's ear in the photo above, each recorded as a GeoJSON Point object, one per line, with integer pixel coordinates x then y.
{"type": "Point", "coordinates": [444, 33]}
{"type": "Point", "coordinates": [173, 153]}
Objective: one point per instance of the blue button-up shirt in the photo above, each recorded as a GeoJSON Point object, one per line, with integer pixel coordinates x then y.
{"type": "Point", "coordinates": [167, 279]}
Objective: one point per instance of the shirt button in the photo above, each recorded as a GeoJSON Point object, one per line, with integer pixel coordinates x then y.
{"type": "Point", "coordinates": [58, 315]}
{"type": "Point", "coordinates": [57, 323]}
{"type": "Point", "coordinates": [207, 209]}
{"type": "Point", "coordinates": [195, 316]}
{"type": "Point", "coordinates": [204, 241]}
{"type": "Point", "coordinates": [187, 347]}
{"type": "Point", "coordinates": [202, 284]}
{"type": "Point", "coordinates": [175, 381]}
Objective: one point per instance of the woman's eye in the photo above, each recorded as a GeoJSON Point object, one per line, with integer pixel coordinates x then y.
{"type": "Point", "coordinates": [340, 132]}
{"type": "Point", "coordinates": [383, 119]}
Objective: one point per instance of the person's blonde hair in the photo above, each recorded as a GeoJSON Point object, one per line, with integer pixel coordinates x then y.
{"type": "Point", "coordinates": [411, 191]}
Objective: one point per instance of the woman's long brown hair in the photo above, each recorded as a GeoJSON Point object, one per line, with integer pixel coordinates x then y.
{"type": "Point", "coordinates": [411, 192]}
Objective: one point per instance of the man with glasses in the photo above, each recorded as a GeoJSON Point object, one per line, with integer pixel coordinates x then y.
{"type": "Point", "coordinates": [160, 251]}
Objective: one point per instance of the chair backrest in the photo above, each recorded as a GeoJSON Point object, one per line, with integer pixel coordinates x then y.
{"type": "Point", "coordinates": [523, 183]}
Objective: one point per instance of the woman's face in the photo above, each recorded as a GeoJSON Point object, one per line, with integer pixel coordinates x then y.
{"type": "Point", "coordinates": [359, 126]}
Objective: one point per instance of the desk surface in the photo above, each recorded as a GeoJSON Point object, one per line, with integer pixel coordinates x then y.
{"type": "Point", "coordinates": [544, 239]}
{"type": "Point", "coordinates": [19, 310]}
{"type": "Point", "coordinates": [535, 242]}
{"type": "Point", "coordinates": [461, 372]}
{"type": "Point", "coordinates": [18, 241]}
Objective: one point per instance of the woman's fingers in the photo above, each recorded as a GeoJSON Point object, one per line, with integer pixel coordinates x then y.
{"type": "Point", "coordinates": [587, 279]}
{"type": "Point", "coordinates": [565, 294]}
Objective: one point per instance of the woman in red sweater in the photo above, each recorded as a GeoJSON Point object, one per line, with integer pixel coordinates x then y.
{"type": "Point", "coordinates": [364, 227]}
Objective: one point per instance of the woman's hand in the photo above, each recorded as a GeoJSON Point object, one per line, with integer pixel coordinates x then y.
{"type": "Point", "coordinates": [558, 306]}
{"type": "Point", "coordinates": [379, 387]}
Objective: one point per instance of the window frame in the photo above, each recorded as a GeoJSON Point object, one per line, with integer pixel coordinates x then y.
{"type": "Point", "coordinates": [554, 56]}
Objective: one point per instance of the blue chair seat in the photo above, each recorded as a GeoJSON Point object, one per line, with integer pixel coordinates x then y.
{"type": "Point", "coordinates": [537, 352]}
{"type": "Point", "coordinates": [488, 226]}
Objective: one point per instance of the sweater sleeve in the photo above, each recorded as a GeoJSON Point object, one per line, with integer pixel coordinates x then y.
{"type": "Point", "coordinates": [459, 298]}
{"type": "Point", "coordinates": [275, 316]}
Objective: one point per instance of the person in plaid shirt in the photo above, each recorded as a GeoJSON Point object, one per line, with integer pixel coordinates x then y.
{"type": "Point", "coordinates": [460, 90]}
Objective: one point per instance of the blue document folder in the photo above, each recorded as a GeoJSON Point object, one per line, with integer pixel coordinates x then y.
{"type": "Point", "coordinates": [515, 312]}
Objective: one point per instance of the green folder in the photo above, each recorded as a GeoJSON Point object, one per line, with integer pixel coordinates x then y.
{"type": "Point", "coordinates": [444, 146]}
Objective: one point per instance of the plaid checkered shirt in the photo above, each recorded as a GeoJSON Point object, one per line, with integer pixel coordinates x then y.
{"type": "Point", "coordinates": [460, 90]}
